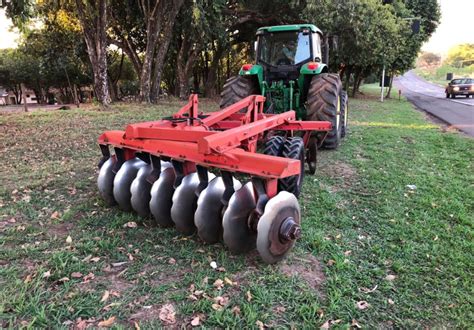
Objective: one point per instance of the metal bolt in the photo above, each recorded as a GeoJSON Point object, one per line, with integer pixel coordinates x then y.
{"type": "Point", "coordinates": [290, 230]}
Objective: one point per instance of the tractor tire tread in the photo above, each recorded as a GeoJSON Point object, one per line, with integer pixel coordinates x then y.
{"type": "Point", "coordinates": [293, 148]}
{"type": "Point", "coordinates": [236, 89]}
{"type": "Point", "coordinates": [274, 146]}
{"type": "Point", "coordinates": [322, 102]}
{"type": "Point", "coordinates": [344, 112]}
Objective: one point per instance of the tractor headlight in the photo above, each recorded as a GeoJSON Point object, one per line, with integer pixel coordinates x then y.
{"type": "Point", "coordinates": [456, 89]}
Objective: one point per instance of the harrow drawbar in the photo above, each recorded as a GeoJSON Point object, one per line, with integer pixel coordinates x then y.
{"type": "Point", "coordinates": [182, 171]}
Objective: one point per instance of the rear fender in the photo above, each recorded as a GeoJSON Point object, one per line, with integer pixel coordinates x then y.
{"type": "Point", "coordinates": [255, 72]}
{"type": "Point", "coordinates": [305, 77]}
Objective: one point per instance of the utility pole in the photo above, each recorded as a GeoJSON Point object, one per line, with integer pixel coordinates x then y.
{"type": "Point", "coordinates": [383, 84]}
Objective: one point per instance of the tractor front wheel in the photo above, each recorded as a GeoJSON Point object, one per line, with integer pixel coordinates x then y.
{"type": "Point", "coordinates": [236, 89]}
{"type": "Point", "coordinates": [324, 104]}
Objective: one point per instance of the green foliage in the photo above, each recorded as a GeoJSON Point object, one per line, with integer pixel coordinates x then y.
{"type": "Point", "coordinates": [461, 55]}
{"type": "Point", "coordinates": [371, 34]}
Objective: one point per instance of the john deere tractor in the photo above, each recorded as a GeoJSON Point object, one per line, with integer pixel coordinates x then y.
{"type": "Point", "coordinates": [290, 73]}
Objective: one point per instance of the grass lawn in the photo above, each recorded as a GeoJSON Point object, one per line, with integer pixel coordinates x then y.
{"type": "Point", "coordinates": [375, 251]}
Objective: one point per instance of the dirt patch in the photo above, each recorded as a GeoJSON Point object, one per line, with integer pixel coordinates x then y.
{"type": "Point", "coordinates": [308, 269]}
{"type": "Point", "coordinates": [61, 229]}
{"type": "Point", "coordinates": [345, 173]}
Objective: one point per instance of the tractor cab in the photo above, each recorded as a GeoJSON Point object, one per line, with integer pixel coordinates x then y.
{"type": "Point", "coordinates": [283, 50]}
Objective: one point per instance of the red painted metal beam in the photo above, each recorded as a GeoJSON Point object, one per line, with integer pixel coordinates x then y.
{"type": "Point", "coordinates": [233, 137]}
{"type": "Point", "coordinates": [289, 126]}
{"type": "Point", "coordinates": [249, 102]}
{"type": "Point", "coordinates": [236, 160]}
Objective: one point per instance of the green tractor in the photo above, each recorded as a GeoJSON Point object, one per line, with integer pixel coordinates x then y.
{"type": "Point", "coordinates": [291, 74]}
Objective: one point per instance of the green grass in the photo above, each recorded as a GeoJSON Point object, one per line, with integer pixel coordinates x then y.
{"type": "Point", "coordinates": [360, 224]}
{"type": "Point", "coordinates": [438, 75]}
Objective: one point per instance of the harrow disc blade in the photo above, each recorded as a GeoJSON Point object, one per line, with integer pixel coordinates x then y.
{"type": "Point", "coordinates": [161, 197]}
{"type": "Point", "coordinates": [208, 216]}
{"type": "Point", "coordinates": [140, 190]}
{"type": "Point", "coordinates": [185, 202]}
{"type": "Point", "coordinates": [105, 181]}
{"type": "Point", "coordinates": [237, 235]}
{"type": "Point", "coordinates": [123, 180]}
{"type": "Point", "coordinates": [278, 210]}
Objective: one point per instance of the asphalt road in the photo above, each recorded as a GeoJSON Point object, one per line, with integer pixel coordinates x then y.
{"type": "Point", "coordinates": [458, 113]}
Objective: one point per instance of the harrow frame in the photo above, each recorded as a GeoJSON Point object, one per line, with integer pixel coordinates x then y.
{"type": "Point", "coordinates": [225, 139]}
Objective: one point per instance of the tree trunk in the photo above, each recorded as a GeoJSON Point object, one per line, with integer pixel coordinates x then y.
{"type": "Point", "coordinates": [23, 93]}
{"type": "Point", "coordinates": [93, 18]}
{"type": "Point", "coordinates": [154, 20]}
{"type": "Point", "coordinates": [184, 64]}
{"type": "Point", "coordinates": [210, 85]}
{"type": "Point", "coordinates": [167, 34]}
{"type": "Point", "coordinates": [388, 96]}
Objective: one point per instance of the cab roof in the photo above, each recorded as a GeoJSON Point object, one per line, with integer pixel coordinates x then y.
{"type": "Point", "coordinates": [292, 27]}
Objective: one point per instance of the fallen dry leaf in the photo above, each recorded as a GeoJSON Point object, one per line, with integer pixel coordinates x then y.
{"type": "Point", "coordinates": [105, 296]}
{"type": "Point", "coordinates": [80, 324]}
{"type": "Point", "coordinates": [131, 224]}
{"type": "Point", "coordinates": [221, 300]}
{"type": "Point", "coordinates": [135, 324]}
{"type": "Point", "coordinates": [76, 275]}
{"type": "Point", "coordinates": [328, 323]}
{"type": "Point", "coordinates": [249, 296]}
{"type": "Point", "coordinates": [229, 281]}
{"type": "Point", "coordinates": [88, 277]}
{"type": "Point", "coordinates": [47, 274]}
{"type": "Point", "coordinates": [355, 324]}
{"type": "Point", "coordinates": [64, 279]}
{"type": "Point", "coordinates": [260, 325]}
{"type": "Point", "coordinates": [55, 215]}
{"type": "Point", "coordinates": [107, 323]}
{"type": "Point", "coordinates": [109, 306]}
{"type": "Point", "coordinates": [95, 259]}
{"type": "Point", "coordinates": [390, 301]}
{"type": "Point", "coordinates": [172, 261]}
{"type": "Point", "coordinates": [167, 314]}
{"type": "Point", "coordinates": [347, 253]}
{"type": "Point", "coordinates": [28, 278]}
{"type": "Point", "coordinates": [365, 290]}
{"type": "Point", "coordinates": [390, 277]}
{"type": "Point", "coordinates": [69, 240]}
{"type": "Point", "coordinates": [331, 262]}
{"type": "Point", "coordinates": [219, 284]}
{"type": "Point", "coordinates": [362, 305]}
{"type": "Point", "coordinates": [216, 307]}
{"type": "Point", "coordinates": [196, 321]}
{"type": "Point", "coordinates": [236, 310]}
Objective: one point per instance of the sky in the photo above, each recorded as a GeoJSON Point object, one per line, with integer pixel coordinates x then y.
{"type": "Point", "coordinates": [456, 27]}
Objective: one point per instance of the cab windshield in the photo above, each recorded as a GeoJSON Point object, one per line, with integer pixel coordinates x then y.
{"type": "Point", "coordinates": [284, 48]}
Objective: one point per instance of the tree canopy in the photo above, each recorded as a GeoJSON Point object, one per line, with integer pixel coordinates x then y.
{"type": "Point", "coordinates": [170, 46]}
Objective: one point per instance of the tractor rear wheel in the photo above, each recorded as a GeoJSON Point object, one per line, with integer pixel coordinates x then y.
{"type": "Point", "coordinates": [324, 103]}
{"type": "Point", "coordinates": [274, 145]}
{"type": "Point", "coordinates": [344, 113]}
{"type": "Point", "coordinates": [236, 89]}
{"type": "Point", "coordinates": [293, 148]}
